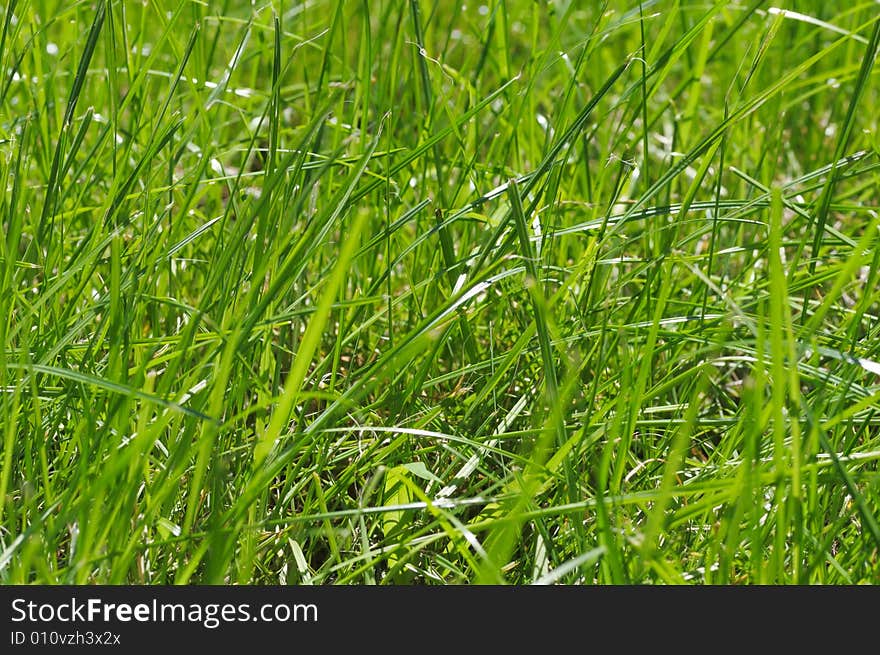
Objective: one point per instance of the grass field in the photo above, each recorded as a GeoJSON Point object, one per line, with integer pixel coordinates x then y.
{"type": "Point", "coordinates": [421, 292]}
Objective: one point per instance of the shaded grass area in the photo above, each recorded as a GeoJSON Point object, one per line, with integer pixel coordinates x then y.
{"type": "Point", "coordinates": [426, 292]}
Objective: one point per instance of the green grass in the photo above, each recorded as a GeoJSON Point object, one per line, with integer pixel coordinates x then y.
{"type": "Point", "coordinates": [427, 292]}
